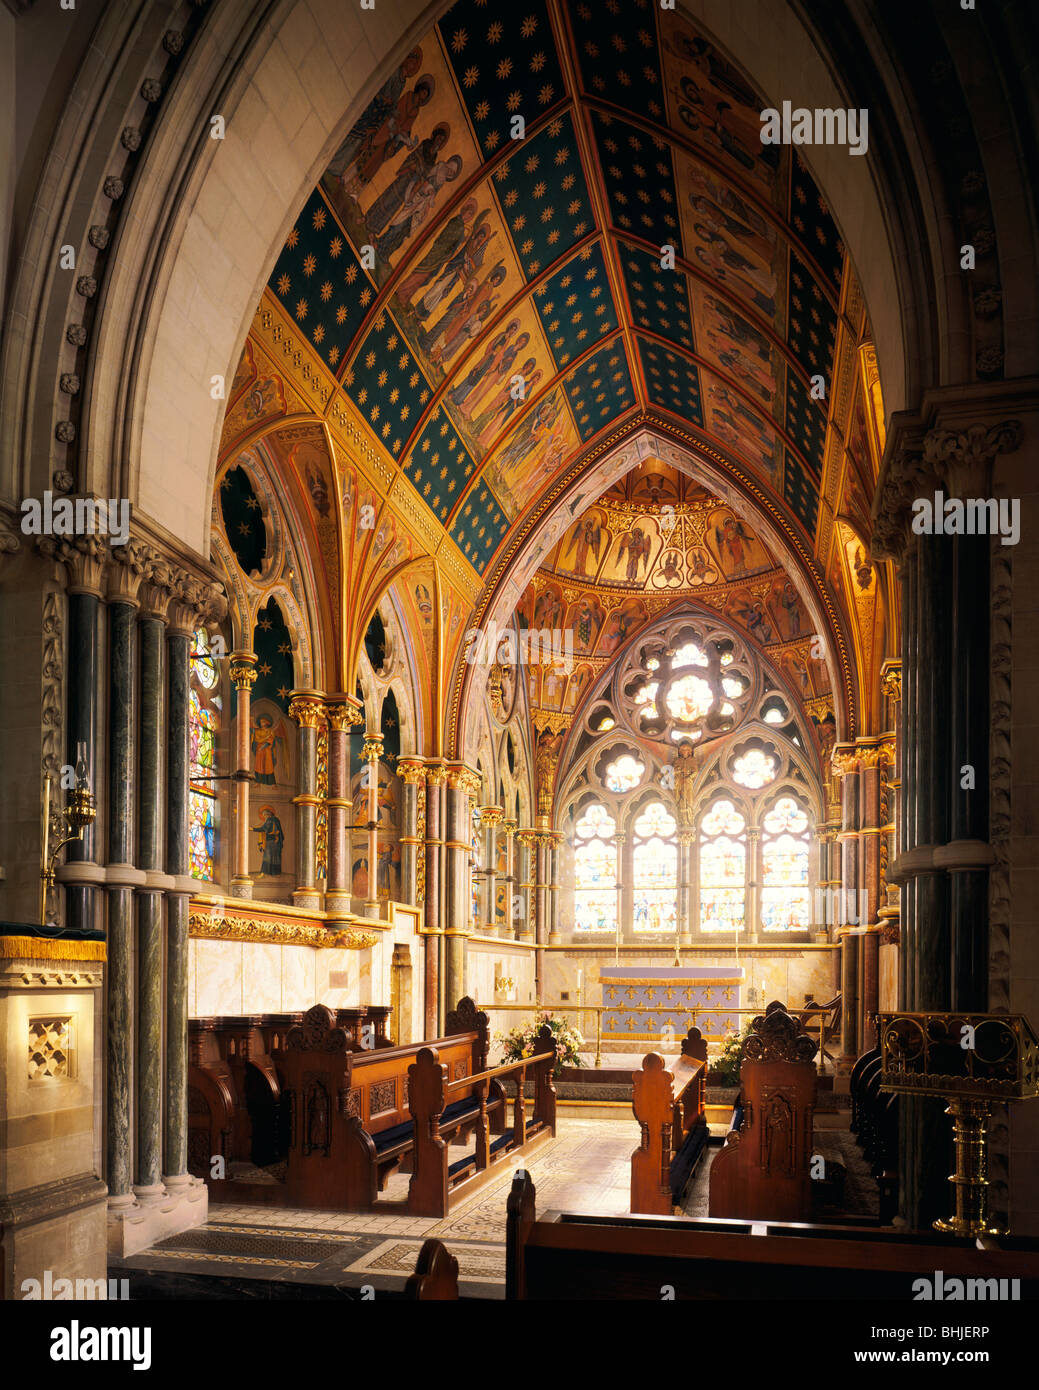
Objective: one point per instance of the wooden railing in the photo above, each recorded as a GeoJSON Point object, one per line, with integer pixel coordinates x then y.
{"type": "Point", "coordinates": [691, 1014]}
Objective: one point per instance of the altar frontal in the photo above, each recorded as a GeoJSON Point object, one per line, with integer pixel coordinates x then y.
{"type": "Point", "coordinates": [643, 1007]}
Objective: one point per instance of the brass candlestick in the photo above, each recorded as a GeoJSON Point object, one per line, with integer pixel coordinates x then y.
{"type": "Point", "coordinates": [73, 820]}
{"type": "Point", "coordinates": [975, 1062]}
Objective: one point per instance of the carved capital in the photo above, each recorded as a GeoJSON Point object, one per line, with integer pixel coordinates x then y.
{"type": "Point", "coordinates": [243, 670]}
{"type": "Point", "coordinates": [159, 586]}
{"type": "Point", "coordinates": [491, 816]}
{"type": "Point", "coordinates": [963, 458]}
{"type": "Point", "coordinates": [84, 558]}
{"type": "Point", "coordinates": [411, 772]}
{"type": "Point", "coordinates": [308, 710]}
{"type": "Point", "coordinates": [844, 759]}
{"type": "Point", "coordinates": [891, 680]}
{"type": "Point", "coordinates": [194, 602]}
{"type": "Point", "coordinates": [436, 775]}
{"type": "Point", "coordinates": [342, 716]}
{"type": "Point", "coordinates": [10, 534]}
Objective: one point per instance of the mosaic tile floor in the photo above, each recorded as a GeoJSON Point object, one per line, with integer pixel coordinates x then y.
{"type": "Point", "coordinates": [585, 1168]}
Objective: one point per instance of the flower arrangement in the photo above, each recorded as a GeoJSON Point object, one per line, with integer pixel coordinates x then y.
{"type": "Point", "coordinates": [521, 1042]}
{"type": "Point", "coordinates": [725, 1066]}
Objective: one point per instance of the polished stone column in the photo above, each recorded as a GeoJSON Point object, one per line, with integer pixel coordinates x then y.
{"type": "Point", "coordinates": [151, 630]}
{"type": "Point", "coordinates": [686, 866]}
{"type": "Point", "coordinates": [527, 838]}
{"type": "Point", "coordinates": [371, 752]}
{"type": "Point", "coordinates": [850, 998]}
{"type": "Point", "coordinates": [84, 596]}
{"type": "Point", "coordinates": [412, 774]}
{"type": "Point", "coordinates": [490, 818]}
{"type": "Point", "coordinates": [554, 859]}
{"type": "Point", "coordinates": [509, 826]}
{"type": "Point", "coordinates": [342, 715]}
{"type": "Point", "coordinates": [307, 709]}
{"type": "Point", "coordinates": [178, 864]}
{"type": "Point", "coordinates": [869, 994]}
{"type": "Point", "coordinates": [122, 876]}
{"type": "Point", "coordinates": [463, 785]}
{"type": "Point", "coordinates": [435, 778]}
{"type": "Point", "coordinates": [243, 674]}
{"type": "Point", "coordinates": [756, 870]}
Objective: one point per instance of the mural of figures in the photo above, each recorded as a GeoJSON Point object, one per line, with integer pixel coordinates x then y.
{"type": "Point", "coordinates": [786, 609]}
{"type": "Point", "coordinates": [580, 549]}
{"type": "Point", "coordinates": [743, 429]}
{"type": "Point", "coordinates": [548, 608]}
{"type": "Point", "coordinates": [270, 840]}
{"type": "Point", "coordinates": [586, 619]}
{"type": "Point", "coordinates": [736, 549]}
{"type": "Point", "coordinates": [624, 619]}
{"type": "Point", "coordinates": [270, 745]}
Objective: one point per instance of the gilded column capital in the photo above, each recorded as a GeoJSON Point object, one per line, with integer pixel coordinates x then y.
{"type": "Point", "coordinates": [243, 670]}
{"type": "Point", "coordinates": [464, 779]}
{"type": "Point", "coordinates": [491, 815]}
{"type": "Point", "coordinates": [891, 680]}
{"type": "Point", "coordinates": [371, 749]}
{"type": "Point", "coordinates": [307, 708]}
{"type": "Point", "coordinates": [342, 716]}
{"type": "Point", "coordinates": [844, 759]}
{"type": "Point", "coordinates": [875, 754]}
{"type": "Point", "coordinates": [411, 771]}
{"type": "Point", "coordinates": [436, 774]}
{"type": "Point", "coordinates": [509, 826]}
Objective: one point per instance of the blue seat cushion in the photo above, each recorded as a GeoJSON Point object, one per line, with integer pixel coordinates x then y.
{"type": "Point", "coordinates": [686, 1159]}
{"type": "Point", "coordinates": [501, 1142]}
{"type": "Point", "coordinates": [386, 1138]}
{"type": "Point", "coordinates": [466, 1161]}
{"type": "Point", "coordinates": [466, 1106]}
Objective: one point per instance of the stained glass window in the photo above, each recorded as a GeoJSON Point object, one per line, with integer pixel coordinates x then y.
{"type": "Point", "coordinates": [785, 848]}
{"type": "Point", "coordinates": [689, 699]}
{"type": "Point", "coordinates": [754, 769]}
{"type": "Point", "coordinates": [204, 706]}
{"type": "Point", "coordinates": [595, 871]}
{"type": "Point", "coordinates": [655, 870]}
{"type": "Point", "coordinates": [624, 773]}
{"type": "Point", "coordinates": [723, 868]}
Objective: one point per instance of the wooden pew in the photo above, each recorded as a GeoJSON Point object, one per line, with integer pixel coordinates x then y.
{"type": "Point", "coordinates": [436, 1274]}
{"type": "Point", "coordinates": [566, 1256]}
{"type": "Point", "coordinates": [763, 1170]}
{"type": "Point", "coordinates": [435, 1180]}
{"type": "Point", "coordinates": [668, 1100]}
{"type": "Point", "coordinates": [212, 1101]}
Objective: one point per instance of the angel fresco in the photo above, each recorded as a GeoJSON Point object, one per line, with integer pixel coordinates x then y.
{"type": "Point", "coordinates": [585, 539]}
{"type": "Point", "coordinates": [623, 620]}
{"type": "Point", "coordinates": [586, 618]}
{"type": "Point", "coordinates": [269, 742]}
{"type": "Point", "coordinates": [637, 544]}
{"type": "Point", "coordinates": [548, 611]}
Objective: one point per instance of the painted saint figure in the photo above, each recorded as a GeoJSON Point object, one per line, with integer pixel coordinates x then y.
{"type": "Point", "coordinates": [271, 840]}
{"type": "Point", "coordinates": [267, 737]}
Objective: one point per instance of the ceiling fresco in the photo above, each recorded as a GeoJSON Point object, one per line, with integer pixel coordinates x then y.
{"type": "Point", "coordinates": [486, 307]}
{"type": "Point", "coordinates": [652, 541]}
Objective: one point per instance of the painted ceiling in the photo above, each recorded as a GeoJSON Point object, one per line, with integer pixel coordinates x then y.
{"type": "Point", "coordinates": [653, 540]}
{"type": "Point", "coordinates": [491, 259]}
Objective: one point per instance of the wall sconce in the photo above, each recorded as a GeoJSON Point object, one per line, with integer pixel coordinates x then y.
{"type": "Point", "coordinates": [73, 820]}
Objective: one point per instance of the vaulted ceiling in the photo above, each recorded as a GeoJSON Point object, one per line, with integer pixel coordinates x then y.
{"type": "Point", "coordinates": [490, 258]}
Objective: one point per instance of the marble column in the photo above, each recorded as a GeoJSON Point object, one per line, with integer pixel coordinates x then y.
{"type": "Point", "coordinates": [756, 867]}
{"type": "Point", "coordinates": [462, 786]}
{"type": "Point", "coordinates": [307, 709]}
{"type": "Point", "coordinates": [509, 827]}
{"type": "Point", "coordinates": [122, 876]}
{"type": "Point", "coordinates": [620, 842]}
{"type": "Point", "coordinates": [342, 715]}
{"type": "Point", "coordinates": [243, 674]}
{"type": "Point", "coordinates": [869, 992]}
{"type": "Point", "coordinates": [151, 631]}
{"type": "Point", "coordinates": [412, 774]}
{"type": "Point", "coordinates": [178, 865]}
{"type": "Point", "coordinates": [85, 565]}
{"type": "Point", "coordinates": [686, 862]}
{"type": "Point", "coordinates": [435, 778]}
{"type": "Point", "coordinates": [371, 752]}
{"type": "Point", "coordinates": [554, 858]}
{"type": "Point", "coordinates": [490, 819]}
{"type": "Point", "coordinates": [850, 998]}
{"type": "Point", "coordinates": [527, 838]}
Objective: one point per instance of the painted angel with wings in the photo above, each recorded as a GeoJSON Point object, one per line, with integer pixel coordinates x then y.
{"type": "Point", "coordinates": [268, 741]}
{"type": "Point", "coordinates": [637, 544]}
{"type": "Point", "coordinates": [587, 537]}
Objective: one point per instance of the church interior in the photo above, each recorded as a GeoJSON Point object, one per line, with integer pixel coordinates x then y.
{"type": "Point", "coordinates": [518, 599]}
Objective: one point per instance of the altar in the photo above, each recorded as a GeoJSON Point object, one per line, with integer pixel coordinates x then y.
{"type": "Point", "coordinates": [642, 1004]}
